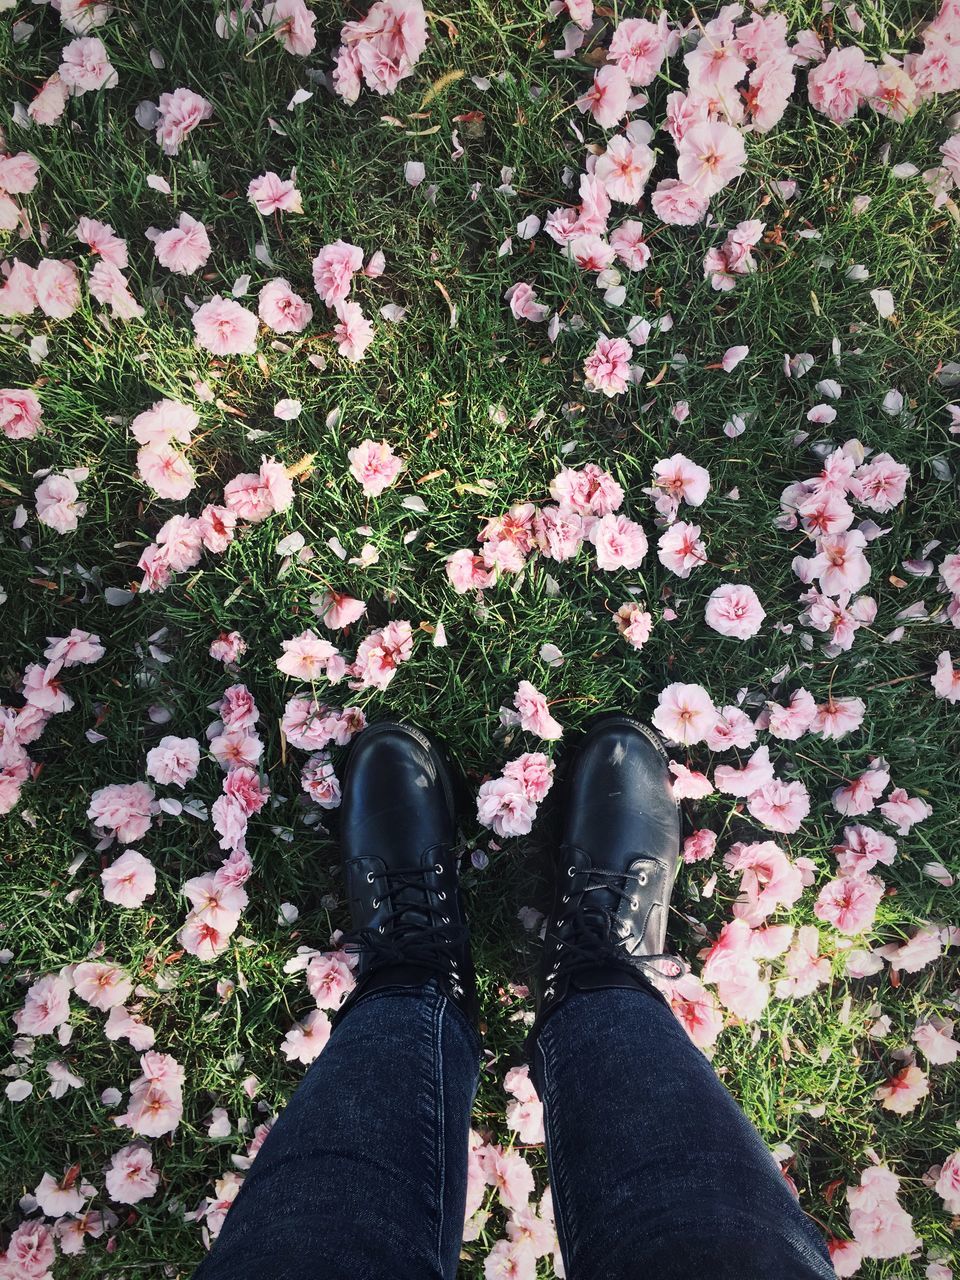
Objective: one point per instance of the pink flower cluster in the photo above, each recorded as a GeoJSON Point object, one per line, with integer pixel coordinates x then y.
{"type": "Point", "coordinates": [44, 696]}
{"type": "Point", "coordinates": [733, 258]}
{"type": "Point", "coordinates": [530, 1229]}
{"type": "Point", "coordinates": [181, 540]}
{"type": "Point", "coordinates": [18, 177]}
{"type": "Point", "coordinates": [333, 270]}
{"type": "Point", "coordinates": [508, 804]}
{"type": "Point", "coordinates": [155, 1106]}
{"type": "Point", "coordinates": [313, 727]}
{"type": "Point", "coordinates": [381, 49]}
{"type": "Point", "coordinates": [307, 657]}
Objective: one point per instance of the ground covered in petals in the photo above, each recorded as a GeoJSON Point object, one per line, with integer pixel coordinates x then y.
{"type": "Point", "coordinates": [489, 367]}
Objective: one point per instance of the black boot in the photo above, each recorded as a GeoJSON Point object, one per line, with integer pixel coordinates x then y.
{"type": "Point", "coordinates": [398, 823]}
{"type": "Point", "coordinates": [616, 867]}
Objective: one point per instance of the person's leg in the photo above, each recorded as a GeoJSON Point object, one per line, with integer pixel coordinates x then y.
{"type": "Point", "coordinates": [364, 1175]}
{"type": "Point", "coordinates": [655, 1170]}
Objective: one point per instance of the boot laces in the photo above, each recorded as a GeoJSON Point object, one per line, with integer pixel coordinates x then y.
{"type": "Point", "coordinates": [416, 929]}
{"type": "Point", "coordinates": [587, 936]}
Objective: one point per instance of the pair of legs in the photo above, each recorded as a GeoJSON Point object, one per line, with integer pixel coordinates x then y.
{"type": "Point", "coordinates": [655, 1170]}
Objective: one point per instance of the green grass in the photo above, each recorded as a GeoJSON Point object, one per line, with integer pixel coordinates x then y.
{"type": "Point", "coordinates": [430, 390]}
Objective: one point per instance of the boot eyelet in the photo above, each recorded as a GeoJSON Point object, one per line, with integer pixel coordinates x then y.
{"type": "Point", "coordinates": [571, 871]}
{"type": "Point", "coordinates": [375, 903]}
{"type": "Point", "coordinates": [642, 878]}
{"type": "Point", "coordinates": [380, 929]}
{"type": "Point", "coordinates": [439, 869]}
{"type": "Point", "coordinates": [442, 896]}
{"type": "Point", "coordinates": [370, 877]}
{"type": "Point", "coordinates": [634, 904]}
{"type": "Point", "coordinates": [566, 897]}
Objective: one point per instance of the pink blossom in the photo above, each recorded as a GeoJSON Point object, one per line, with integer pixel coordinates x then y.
{"type": "Point", "coordinates": [179, 113]}
{"type": "Point", "coordinates": [306, 1039]}
{"type": "Point", "coordinates": [374, 466]}
{"type": "Point", "coordinates": [903, 811]}
{"type": "Point", "coordinates": [842, 83]}
{"type": "Point", "coordinates": [185, 248]}
{"type": "Point", "coordinates": [281, 309]}
{"type": "Point", "coordinates": [780, 806]}
{"type": "Point", "coordinates": [769, 880]}
{"type": "Point", "coordinates": [76, 648]}
{"type": "Point", "coordinates": [948, 1183]}
{"type": "Point", "coordinates": [624, 169]}
{"type": "Point", "coordinates": [709, 156]}
{"type": "Point", "coordinates": [319, 780]}
{"type": "Point", "coordinates": [730, 965]}
{"type": "Point", "coordinates": [882, 483]}
{"type": "Point", "coordinates": [684, 714]}
{"type": "Point", "coordinates": [680, 548]}
{"type": "Point", "coordinates": [131, 1176]}
{"type": "Point", "coordinates": [379, 655]}
{"type": "Point", "coordinates": [534, 771]}
{"type": "Point", "coordinates": [756, 773]}
{"type": "Point", "coordinates": [628, 243]}
{"type": "Point", "coordinates": [255, 497]}
{"type": "Point", "coordinates": [638, 48]}
{"type": "Point", "coordinates": [732, 728]}
{"type": "Point", "coordinates": [330, 980]}
{"type": "Point", "coordinates": [174, 762]}
{"type": "Point", "coordinates": [590, 252]}
{"type": "Point", "coordinates": [696, 1009]}
{"type": "Point", "coordinates": [306, 657]}
{"type": "Point", "coordinates": [715, 66]}
{"type": "Point", "coordinates": [903, 1091]}
{"type": "Point", "coordinates": [229, 646]}
{"type": "Point", "coordinates": [224, 328]}
{"type": "Point", "coordinates": [334, 268]}
{"type": "Point", "coordinates": [688, 784]}
{"type": "Point", "coordinates": [21, 415]}
{"type": "Point", "coordinates": [179, 538]}
{"type": "Point", "coordinates": [18, 293]}
{"type": "Point", "coordinates": [734, 610]}
{"type": "Point", "coordinates": [850, 902]}
{"type": "Point", "coordinates": [510, 1259]}
{"type": "Point", "coordinates": [607, 98]}
{"type": "Point", "coordinates": [846, 1256]}
{"type": "Point", "coordinates": [860, 795]}
{"type": "Point", "coordinates": [620, 543]}
{"type": "Point", "coordinates": [524, 305]}
{"type": "Point", "coordinates": [525, 1118]}
{"type": "Point", "coordinates": [18, 173]}
{"type": "Point", "coordinates": [102, 986]}
{"type": "Point", "coordinates": [101, 239]}
{"type": "Point", "coordinates": [934, 1039]}
{"type": "Point", "coordinates": [123, 810]}
{"type": "Point", "coordinates": [534, 713]}
{"type": "Point", "coordinates": [678, 204]}
{"type": "Point", "coordinates": [216, 527]}
{"type": "Point", "coordinates": [507, 540]}
{"type": "Point", "coordinates": [634, 624]}
{"type": "Point", "coordinates": [679, 480]}
{"type": "Point", "coordinates": [699, 845]}
{"type": "Point", "coordinates": [838, 716]}
{"type": "Point", "coordinates": [43, 690]}
{"type": "Point", "coordinates": [129, 880]}
{"type": "Point", "coordinates": [85, 66]}
{"type": "Point", "coordinates": [587, 491]}
{"type": "Point", "coordinates": [920, 949]}
{"type": "Point", "coordinates": [804, 968]}
{"type": "Point", "coordinates": [467, 571]}
{"type": "Point", "coordinates": [164, 422]}
{"type": "Point", "coordinates": [166, 471]}
{"type": "Point", "coordinates": [58, 1197]}
{"type": "Point", "coordinates": [608, 367]}
{"type": "Point", "coordinates": [863, 848]}
{"type": "Point", "coordinates": [504, 806]}
{"type": "Point", "coordinates": [792, 721]}
{"type": "Point", "coordinates": [46, 1007]}
{"type": "Point", "coordinates": [559, 534]}
{"type": "Point", "coordinates": [292, 24]}
{"type": "Point", "coordinates": [840, 564]}
{"type": "Point", "coordinates": [946, 678]}
{"type": "Point", "coordinates": [272, 194]}
{"type": "Point", "coordinates": [510, 1176]}
{"type": "Point", "coordinates": [57, 504]}
{"type": "Point", "coordinates": [353, 332]}
{"type": "Point", "coordinates": [57, 288]}
{"type": "Point", "coordinates": [336, 610]}
{"type": "Point", "coordinates": [50, 101]}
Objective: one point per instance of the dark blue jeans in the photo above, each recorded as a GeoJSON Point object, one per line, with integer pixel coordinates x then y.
{"type": "Point", "coordinates": [656, 1172]}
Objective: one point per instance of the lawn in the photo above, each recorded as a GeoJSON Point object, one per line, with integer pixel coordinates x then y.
{"type": "Point", "coordinates": [855, 281]}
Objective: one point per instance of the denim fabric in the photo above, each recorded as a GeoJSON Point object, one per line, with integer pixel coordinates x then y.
{"type": "Point", "coordinates": [656, 1172]}
{"type": "Point", "coordinates": [364, 1175]}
